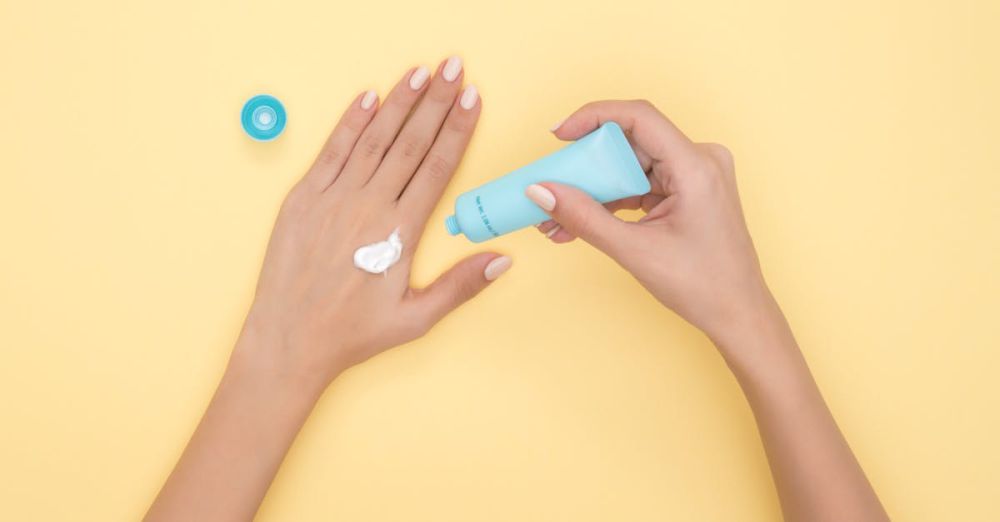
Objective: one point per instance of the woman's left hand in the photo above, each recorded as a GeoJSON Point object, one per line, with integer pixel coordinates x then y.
{"type": "Point", "coordinates": [383, 168]}
{"type": "Point", "coordinates": [314, 313]}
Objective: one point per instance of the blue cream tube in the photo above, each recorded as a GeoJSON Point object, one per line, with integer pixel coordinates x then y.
{"type": "Point", "coordinates": [601, 164]}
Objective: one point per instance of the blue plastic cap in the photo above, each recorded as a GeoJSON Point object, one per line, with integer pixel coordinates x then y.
{"type": "Point", "coordinates": [451, 223]}
{"type": "Point", "coordinates": [263, 117]}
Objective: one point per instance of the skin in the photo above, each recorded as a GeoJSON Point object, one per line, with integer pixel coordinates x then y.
{"type": "Point", "coordinates": [314, 314]}
{"type": "Point", "coordinates": [693, 252]}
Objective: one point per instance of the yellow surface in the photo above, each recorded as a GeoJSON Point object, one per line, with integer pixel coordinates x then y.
{"type": "Point", "coordinates": [134, 212]}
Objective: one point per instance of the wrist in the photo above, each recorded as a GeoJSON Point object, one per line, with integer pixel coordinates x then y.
{"type": "Point", "coordinates": [269, 358]}
{"type": "Point", "coordinates": [763, 355]}
{"type": "Point", "coordinates": [755, 336]}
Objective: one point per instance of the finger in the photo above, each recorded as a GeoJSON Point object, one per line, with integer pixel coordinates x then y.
{"type": "Point", "coordinates": [434, 173]}
{"type": "Point", "coordinates": [630, 203]}
{"type": "Point", "coordinates": [580, 215]}
{"type": "Point", "coordinates": [338, 146]}
{"type": "Point", "coordinates": [548, 227]}
{"type": "Point", "coordinates": [545, 225]}
{"type": "Point", "coordinates": [381, 132]}
{"type": "Point", "coordinates": [555, 232]}
{"type": "Point", "coordinates": [558, 234]}
{"type": "Point", "coordinates": [645, 160]}
{"type": "Point", "coordinates": [651, 201]}
{"type": "Point", "coordinates": [561, 236]}
{"type": "Point", "coordinates": [644, 202]}
{"type": "Point", "coordinates": [413, 142]}
{"type": "Point", "coordinates": [647, 128]}
{"type": "Point", "coordinates": [456, 286]}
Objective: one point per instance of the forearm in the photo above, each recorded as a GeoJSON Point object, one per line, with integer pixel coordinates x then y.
{"type": "Point", "coordinates": [815, 472]}
{"type": "Point", "coordinates": [234, 454]}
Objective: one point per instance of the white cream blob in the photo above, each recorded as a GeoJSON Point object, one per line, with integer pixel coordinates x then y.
{"type": "Point", "coordinates": [378, 257]}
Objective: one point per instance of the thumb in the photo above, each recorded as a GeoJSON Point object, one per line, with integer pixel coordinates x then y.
{"type": "Point", "coordinates": [458, 284]}
{"type": "Point", "coordinates": [580, 215]}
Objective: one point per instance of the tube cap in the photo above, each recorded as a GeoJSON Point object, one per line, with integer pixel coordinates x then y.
{"type": "Point", "coordinates": [263, 117]}
{"type": "Point", "coordinates": [451, 223]}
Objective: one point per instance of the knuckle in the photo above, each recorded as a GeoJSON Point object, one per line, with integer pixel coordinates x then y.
{"type": "Point", "coordinates": [371, 145]}
{"type": "Point", "coordinates": [438, 167]}
{"type": "Point", "coordinates": [464, 289]}
{"type": "Point", "coordinates": [716, 165]}
{"type": "Point", "coordinates": [403, 99]}
{"type": "Point", "coordinates": [720, 153]}
{"type": "Point", "coordinates": [595, 105]}
{"type": "Point", "coordinates": [296, 202]}
{"type": "Point", "coordinates": [443, 96]}
{"type": "Point", "coordinates": [330, 156]}
{"type": "Point", "coordinates": [712, 179]}
{"type": "Point", "coordinates": [413, 147]}
{"type": "Point", "coordinates": [643, 105]}
{"type": "Point", "coordinates": [459, 124]}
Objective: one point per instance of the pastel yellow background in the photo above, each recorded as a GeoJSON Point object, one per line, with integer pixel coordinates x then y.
{"type": "Point", "coordinates": [134, 213]}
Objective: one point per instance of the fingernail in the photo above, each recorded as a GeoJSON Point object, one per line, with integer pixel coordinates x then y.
{"type": "Point", "coordinates": [368, 100]}
{"type": "Point", "coordinates": [557, 125]}
{"type": "Point", "coordinates": [451, 68]}
{"type": "Point", "coordinates": [541, 196]}
{"type": "Point", "coordinates": [469, 97]}
{"type": "Point", "coordinates": [419, 77]}
{"type": "Point", "coordinates": [552, 232]}
{"type": "Point", "coordinates": [497, 267]}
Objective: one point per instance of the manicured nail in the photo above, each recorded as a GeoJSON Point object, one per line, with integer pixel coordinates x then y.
{"type": "Point", "coordinates": [419, 77]}
{"type": "Point", "coordinates": [469, 97]}
{"type": "Point", "coordinates": [368, 100]}
{"type": "Point", "coordinates": [557, 125]}
{"type": "Point", "coordinates": [451, 68]}
{"type": "Point", "coordinates": [552, 232]}
{"type": "Point", "coordinates": [541, 196]}
{"type": "Point", "coordinates": [497, 267]}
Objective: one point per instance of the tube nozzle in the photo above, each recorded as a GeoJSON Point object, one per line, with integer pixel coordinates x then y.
{"type": "Point", "coordinates": [451, 223]}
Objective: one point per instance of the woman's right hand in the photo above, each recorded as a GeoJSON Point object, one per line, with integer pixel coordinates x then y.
{"type": "Point", "coordinates": [691, 250]}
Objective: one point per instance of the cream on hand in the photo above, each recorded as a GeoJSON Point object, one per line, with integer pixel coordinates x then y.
{"type": "Point", "coordinates": [378, 257]}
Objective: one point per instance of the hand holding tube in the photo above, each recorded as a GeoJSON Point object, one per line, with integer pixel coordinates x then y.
{"type": "Point", "coordinates": [601, 163]}
{"type": "Point", "coordinates": [691, 250]}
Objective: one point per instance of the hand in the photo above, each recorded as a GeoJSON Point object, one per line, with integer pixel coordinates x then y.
{"type": "Point", "coordinates": [383, 167]}
{"type": "Point", "coordinates": [691, 250]}
{"type": "Point", "coordinates": [314, 313]}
